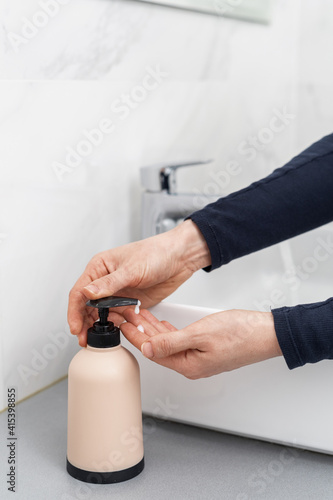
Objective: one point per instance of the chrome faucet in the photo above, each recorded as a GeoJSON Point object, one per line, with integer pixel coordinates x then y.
{"type": "Point", "coordinates": [162, 207]}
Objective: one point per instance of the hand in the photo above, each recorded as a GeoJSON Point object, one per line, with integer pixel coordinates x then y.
{"type": "Point", "coordinates": [217, 343]}
{"type": "Point", "coordinates": [148, 270]}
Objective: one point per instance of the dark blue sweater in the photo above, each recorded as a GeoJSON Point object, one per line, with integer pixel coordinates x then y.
{"type": "Point", "coordinates": [292, 200]}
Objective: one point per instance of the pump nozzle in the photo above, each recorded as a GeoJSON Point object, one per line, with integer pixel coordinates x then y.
{"type": "Point", "coordinates": [103, 316]}
{"type": "Point", "coordinates": [112, 301]}
{"type": "Point", "coordinates": [104, 333]}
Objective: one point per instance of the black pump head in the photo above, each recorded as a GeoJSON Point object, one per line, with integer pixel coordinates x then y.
{"type": "Point", "coordinates": [103, 333]}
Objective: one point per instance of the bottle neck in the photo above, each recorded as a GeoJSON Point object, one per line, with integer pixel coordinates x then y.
{"type": "Point", "coordinates": [103, 349]}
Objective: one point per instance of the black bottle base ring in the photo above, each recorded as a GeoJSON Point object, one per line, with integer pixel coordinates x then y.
{"type": "Point", "coordinates": [105, 477]}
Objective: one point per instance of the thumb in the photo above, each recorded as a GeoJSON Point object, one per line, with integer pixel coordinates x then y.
{"type": "Point", "coordinates": [107, 285]}
{"type": "Point", "coordinates": [166, 344]}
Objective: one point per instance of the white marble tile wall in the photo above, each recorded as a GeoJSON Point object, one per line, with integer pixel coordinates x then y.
{"type": "Point", "coordinates": [315, 112]}
{"type": "Point", "coordinates": [219, 82]}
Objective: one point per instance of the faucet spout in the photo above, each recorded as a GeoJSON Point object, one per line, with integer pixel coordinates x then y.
{"type": "Point", "coordinates": [162, 207]}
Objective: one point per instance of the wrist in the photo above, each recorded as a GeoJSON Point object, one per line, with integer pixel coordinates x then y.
{"type": "Point", "coordinates": [271, 347]}
{"type": "Point", "coordinates": [193, 250]}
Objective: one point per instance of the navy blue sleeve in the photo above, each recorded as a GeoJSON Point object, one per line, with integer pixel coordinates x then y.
{"type": "Point", "coordinates": [292, 200]}
{"type": "Point", "coordinates": [305, 332]}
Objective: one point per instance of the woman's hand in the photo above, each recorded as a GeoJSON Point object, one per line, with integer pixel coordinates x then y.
{"type": "Point", "coordinates": [217, 343]}
{"type": "Point", "coordinates": [148, 270]}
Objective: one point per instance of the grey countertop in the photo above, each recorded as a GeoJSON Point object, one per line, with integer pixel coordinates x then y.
{"type": "Point", "coordinates": [181, 462]}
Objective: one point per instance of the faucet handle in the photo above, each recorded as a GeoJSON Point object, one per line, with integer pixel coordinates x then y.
{"type": "Point", "coordinates": [162, 177]}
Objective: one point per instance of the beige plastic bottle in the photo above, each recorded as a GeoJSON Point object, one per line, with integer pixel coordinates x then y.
{"type": "Point", "coordinates": [104, 441]}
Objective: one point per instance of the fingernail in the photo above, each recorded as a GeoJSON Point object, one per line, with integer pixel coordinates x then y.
{"type": "Point", "coordinates": [147, 350]}
{"type": "Point", "coordinates": [92, 288]}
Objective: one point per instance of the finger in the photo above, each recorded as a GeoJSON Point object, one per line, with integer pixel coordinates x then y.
{"type": "Point", "coordinates": [167, 344]}
{"type": "Point", "coordinates": [82, 339]}
{"type": "Point", "coordinates": [138, 319]}
{"type": "Point", "coordinates": [177, 362]}
{"type": "Point", "coordinates": [77, 303]}
{"type": "Point", "coordinates": [107, 285]}
{"type": "Point", "coordinates": [169, 326]}
{"type": "Point", "coordinates": [116, 318]}
{"type": "Point", "coordinates": [133, 335]}
{"type": "Point", "coordinates": [161, 326]}
{"type": "Point", "coordinates": [89, 319]}
{"type": "Point", "coordinates": [76, 310]}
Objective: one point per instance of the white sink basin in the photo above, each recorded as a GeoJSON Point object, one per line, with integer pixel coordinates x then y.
{"type": "Point", "coordinates": [265, 401]}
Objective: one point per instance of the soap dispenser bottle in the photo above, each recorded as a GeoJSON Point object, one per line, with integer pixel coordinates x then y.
{"type": "Point", "coordinates": [104, 441]}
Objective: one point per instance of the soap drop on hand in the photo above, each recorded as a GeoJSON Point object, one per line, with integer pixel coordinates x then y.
{"type": "Point", "coordinates": [140, 328]}
{"type": "Point", "coordinates": [137, 308]}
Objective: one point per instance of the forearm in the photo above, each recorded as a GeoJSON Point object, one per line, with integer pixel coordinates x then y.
{"type": "Point", "coordinates": [292, 200]}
